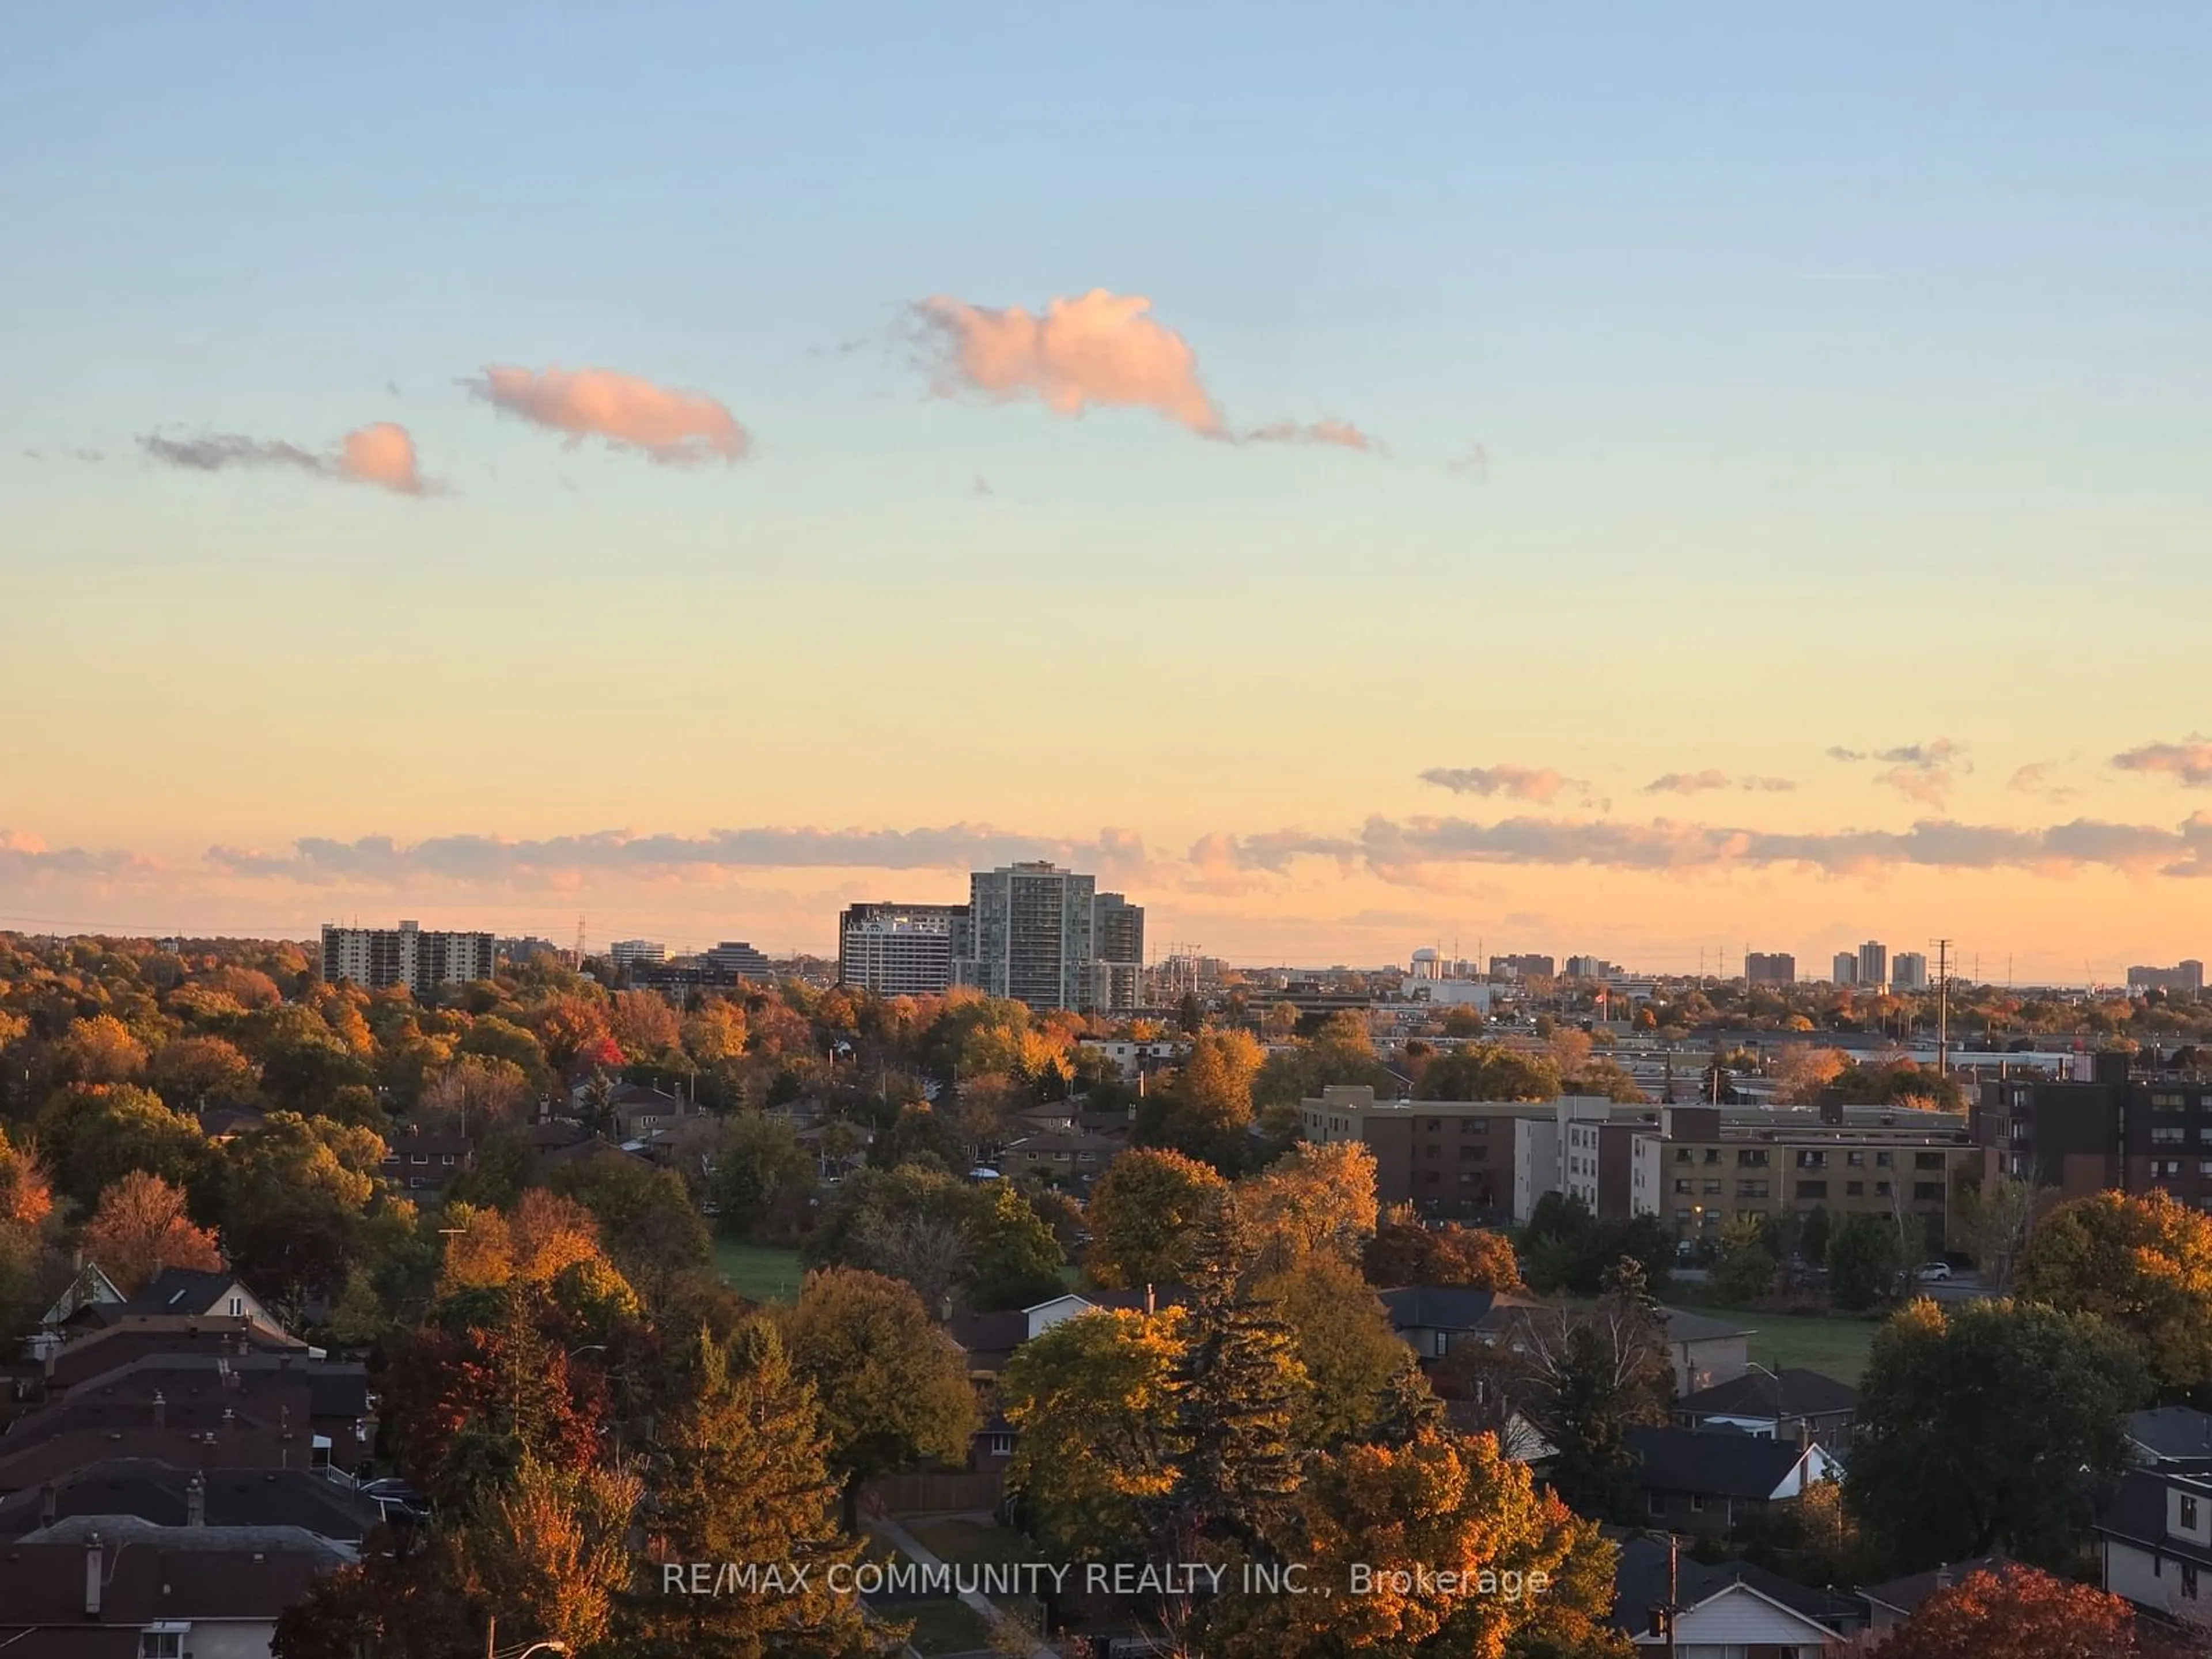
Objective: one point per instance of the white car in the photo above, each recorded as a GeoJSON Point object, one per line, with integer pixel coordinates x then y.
{"type": "Point", "coordinates": [1936, 1272]}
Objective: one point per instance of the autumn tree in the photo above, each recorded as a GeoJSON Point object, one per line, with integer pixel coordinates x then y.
{"type": "Point", "coordinates": [1989, 1426]}
{"type": "Point", "coordinates": [141, 1228]}
{"type": "Point", "coordinates": [1489, 1070]}
{"type": "Point", "coordinates": [550, 1549]}
{"type": "Point", "coordinates": [1316, 1201]}
{"type": "Point", "coordinates": [93, 1134]}
{"type": "Point", "coordinates": [1449, 1538]}
{"type": "Point", "coordinates": [478, 1094]}
{"type": "Point", "coordinates": [1146, 1215]}
{"type": "Point", "coordinates": [188, 1071]}
{"type": "Point", "coordinates": [1342, 1337]}
{"type": "Point", "coordinates": [894, 1389]}
{"type": "Point", "coordinates": [1802, 1071]}
{"type": "Point", "coordinates": [760, 1170]}
{"type": "Point", "coordinates": [716, 1033]}
{"type": "Point", "coordinates": [2141, 1262]}
{"type": "Point", "coordinates": [1093, 1399]}
{"type": "Point", "coordinates": [645, 1025]}
{"type": "Point", "coordinates": [295, 1198]}
{"type": "Point", "coordinates": [1404, 1252]}
{"type": "Point", "coordinates": [97, 1051]}
{"type": "Point", "coordinates": [1206, 1111]}
{"type": "Point", "coordinates": [2016, 1612]}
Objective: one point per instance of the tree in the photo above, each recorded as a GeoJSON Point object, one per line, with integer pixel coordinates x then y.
{"type": "Point", "coordinates": [1237, 1391]}
{"type": "Point", "coordinates": [1584, 1380]}
{"type": "Point", "coordinates": [1146, 1216]}
{"type": "Point", "coordinates": [479, 1093]}
{"type": "Point", "coordinates": [295, 1194]}
{"type": "Point", "coordinates": [189, 1070]}
{"type": "Point", "coordinates": [651, 1228]}
{"type": "Point", "coordinates": [1489, 1070]}
{"type": "Point", "coordinates": [1864, 1260]}
{"type": "Point", "coordinates": [1801, 1072]}
{"type": "Point", "coordinates": [759, 1166]}
{"type": "Point", "coordinates": [645, 1025]}
{"type": "Point", "coordinates": [1315, 1201]}
{"type": "Point", "coordinates": [549, 1550]}
{"type": "Point", "coordinates": [27, 1197]}
{"type": "Point", "coordinates": [1995, 1215]}
{"type": "Point", "coordinates": [742, 1475]}
{"type": "Point", "coordinates": [1404, 1252]}
{"type": "Point", "coordinates": [2016, 1612]}
{"type": "Point", "coordinates": [893, 1389]}
{"type": "Point", "coordinates": [141, 1228]}
{"type": "Point", "coordinates": [1813, 1231]}
{"type": "Point", "coordinates": [1989, 1426]}
{"type": "Point", "coordinates": [1343, 1337]}
{"type": "Point", "coordinates": [1093, 1398]}
{"type": "Point", "coordinates": [494, 1038]}
{"type": "Point", "coordinates": [2142, 1262]}
{"type": "Point", "coordinates": [1207, 1110]}
{"type": "Point", "coordinates": [97, 1051]}
{"type": "Point", "coordinates": [1746, 1267]}
{"type": "Point", "coordinates": [716, 1033]}
{"type": "Point", "coordinates": [93, 1134]}
{"type": "Point", "coordinates": [1429, 1548]}
{"type": "Point", "coordinates": [1013, 1260]}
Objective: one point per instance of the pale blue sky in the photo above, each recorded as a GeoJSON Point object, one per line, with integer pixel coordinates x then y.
{"type": "Point", "coordinates": [1843, 378]}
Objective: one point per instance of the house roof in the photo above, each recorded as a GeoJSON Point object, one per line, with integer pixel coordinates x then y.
{"type": "Point", "coordinates": [990, 1334]}
{"type": "Point", "coordinates": [1640, 1584]}
{"type": "Point", "coordinates": [150, 1577]}
{"type": "Point", "coordinates": [2136, 1515]}
{"type": "Point", "coordinates": [1439, 1307]}
{"type": "Point", "coordinates": [1756, 1393]}
{"type": "Point", "coordinates": [1684, 1327]}
{"type": "Point", "coordinates": [336, 1388]}
{"type": "Point", "coordinates": [2172, 1433]}
{"type": "Point", "coordinates": [1906, 1594]}
{"type": "Point", "coordinates": [1054, 1141]}
{"type": "Point", "coordinates": [112, 1346]}
{"type": "Point", "coordinates": [182, 1290]}
{"type": "Point", "coordinates": [158, 1493]}
{"type": "Point", "coordinates": [1720, 1465]}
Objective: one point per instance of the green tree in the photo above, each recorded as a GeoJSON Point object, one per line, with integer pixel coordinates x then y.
{"type": "Point", "coordinates": [758, 1165]}
{"type": "Point", "coordinates": [1990, 1425]}
{"type": "Point", "coordinates": [893, 1388]}
{"type": "Point", "coordinates": [742, 1474]}
{"type": "Point", "coordinates": [1013, 1260]}
{"type": "Point", "coordinates": [1746, 1267]}
{"type": "Point", "coordinates": [93, 1134]}
{"type": "Point", "coordinates": [1864, 1260]}
{"type": "Point", "coordinates": [1489, 1070]}
{"type": "Point", "coordinates": [1343, 1339]}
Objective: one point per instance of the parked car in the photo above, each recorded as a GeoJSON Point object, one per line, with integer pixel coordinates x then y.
{"type": "Point", "coordinates": [1935, 1272]}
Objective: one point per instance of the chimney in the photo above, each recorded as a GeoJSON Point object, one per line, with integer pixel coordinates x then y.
{"type": "Point", "coordinates": [50, 1506]}
{"type": "Point", "coordinates": [1943, 1576]}
{"type": "Point", "coordinates": [1152, 1302]}
{"type": "Point", "coordinates": [161, 1411]}
{"type": "Point", "coordinates": [196, 1500]}
{"type": "Point", "coordinates": [93, 1576]}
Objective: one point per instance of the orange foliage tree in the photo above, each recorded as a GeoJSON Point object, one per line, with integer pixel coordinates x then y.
{"type": "Point", "coordinates": [2016, 1612]}
{"type": "Point", "coordinates": [141, 1227]}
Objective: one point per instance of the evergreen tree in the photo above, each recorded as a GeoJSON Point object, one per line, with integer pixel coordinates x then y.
{"type": "Point", "coordinates": [1237, 1389]}
{"type": "Point", "coordinates": [742, 1476]}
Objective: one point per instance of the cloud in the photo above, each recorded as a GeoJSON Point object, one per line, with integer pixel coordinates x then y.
{"type": "Point", "coordinates": [1924, 772]}
{"type": "Point", "coordinates": [1689, 783]}
{"type": "Point", "coordinates": [2188, 763]}
{"type": "Point", "coordinates": [1538, 784]}
{"type": "Point", "coordinates": [674, 427]}
{"type": "Point", "coordinates": [24, 857]}
{"type": "Point", "coordinates": [1475, 464]}
{"type": "Point", "coordinates": [2034, 778]}
{"type": "Point", "coordinates": [1397, 851]}
{"type": "Point", "coordinates": [318, 861]}
{"type": "Point", "coordinates": [1340, 434]}
{"type": "Point", "coordinates": [381, 453]}
{"type": "Point", "coordinates": [1100, 350]}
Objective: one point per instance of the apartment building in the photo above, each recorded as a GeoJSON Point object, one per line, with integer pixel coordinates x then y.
{"type": "Point", "coordinates": [1873, 966]}
{"type": "Point", "coordinates": [901, 950]}
{"type": "Point", "coordinates": [1047, 936]}
{"type": "Point", "coordinates": [2105, 1127]}
{"type": "Point", "coordinates": [1487, 1160]}
{"type": "Point", "coordinates": [1706, 1165]}
{"type": "Point", "coordinates": [1908, 971]}
{"type": "Point", "coordinates": [1845, 970]}
{"type": "Point", "coordinates": [2182, 979]}
{"type": "Point", "coordinates": [630, 952]}
{"type": "Point", "coordinates": [1770, 967]}
{"type": "Point", "coordinates": [376, 959]}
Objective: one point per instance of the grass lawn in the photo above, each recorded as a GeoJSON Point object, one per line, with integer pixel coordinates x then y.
{"type": "Point", "coordinates": [1834, 1344]}
{"type": "Point", "coordinates": [762, 1272]}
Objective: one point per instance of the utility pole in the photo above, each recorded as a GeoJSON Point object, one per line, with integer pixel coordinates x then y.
{"type": "Point", "coordinates": [1942, 1008]}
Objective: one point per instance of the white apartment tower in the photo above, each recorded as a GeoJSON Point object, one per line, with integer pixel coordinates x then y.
{"type": "Point", "coordinates": [377, 957]}
{"type": "Point", "coordinates": [1033, 934]}
{"type": "Point", "coordinates": [1873, 966]}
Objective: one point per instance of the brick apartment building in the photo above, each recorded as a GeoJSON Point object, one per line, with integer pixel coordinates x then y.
{"type": "Point", "coordinates": [2105, 1127]}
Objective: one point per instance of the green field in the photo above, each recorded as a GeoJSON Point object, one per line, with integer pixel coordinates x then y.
{"type": "Point", "coordinates": [1833, 1345]}
{"type": "Point", "coordinates": [760, 1272]}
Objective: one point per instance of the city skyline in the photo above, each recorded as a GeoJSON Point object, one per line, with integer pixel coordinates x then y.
{"type": "Point", "coordinates": [1620, 489]}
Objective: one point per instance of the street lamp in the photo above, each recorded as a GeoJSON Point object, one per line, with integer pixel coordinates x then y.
{"type": "Point", "coordinates": [492, 1632]}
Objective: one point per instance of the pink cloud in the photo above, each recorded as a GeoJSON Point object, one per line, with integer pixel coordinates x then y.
{"type": "Point", "coordinates": [1537, 783]}
{"type": "Point", "coordinates": [1102, 349]}
{"type": "Point", "coordinates": [675, 427]}
{"type": "Point", "coordinates": [2189, 765]}
{"type": "Point", "coordinates": [382, 454]}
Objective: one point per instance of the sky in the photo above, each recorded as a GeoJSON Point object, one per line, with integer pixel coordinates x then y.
{"type": "Point", "coordinates": [1614, 479]}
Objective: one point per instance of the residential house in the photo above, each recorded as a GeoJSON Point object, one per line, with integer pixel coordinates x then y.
{"type": "Point", "coordinates": [1896, 1599]}
{"type": "Point", "coordinates": [193, 1292]}
{"type": "Point", "coordinates": [113, 1587]}
{"type": "Point", "coordinates": [1704, 1351]}
{"type": "Point", "coordinates": [1433, 1318]}
{"type": "Point", "coordinates": [1789, 1403]}
{"type": "Point", "coordinates": [422, 1166]}
{"type": "Point", "coordinates": [987, 1341]}
{"type": "Point", "coordinates": [1729, 1611]}
{"type": "Point", "coordinates": [163, 1495]}
{"type": "Point", "coordinates": [2155, 1537]}
{"type": "Point", "coordinates": [92, 1288]}
{"type": "Point", "coordinates": [1705, 1481]}
{"type": "Point", "coordinates": [1077, 1157]}
{"type": "Point", "coordinates": [2178, 1437]}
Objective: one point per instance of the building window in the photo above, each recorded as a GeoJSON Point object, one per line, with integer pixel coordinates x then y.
{"type": "Point", "coordinates": [1682, 1216]}
{"type": "Point", "coordinates": [1712, 1189]}
{"type": "Point", "coordinates": [2167, 1134]}
{"type": "Point", "coordinates": [1753, 1190]}
{"type": "Point", "coordinates": [1928, 1192]}
{"type": "Point", "coordinates": [1751, 1160]}
{"type": "Point", "coordinates": [1713, 1154]}
{"type": "Point", "coordinates": [1882, 1189]}
{"type": "Point", "coordinates": [1696, 1503]}
{"type": "Point", "coordinates": [1809, 1160]}
{"type": "Point", "coordinates": [1857, 1160]}
{"type": "Point", "coordinates": [1002, 1445]}
{"type": "Point", "coordinates": [2188, 1513]}
{"type": "Point", "coordinates": [1855, 1189]}
{"type": "Point", "coordinates": [1684, 1186]}
{"type": "Point", "coordinates": [162, 1641]}
{"type": "Point", "coordinates": [1657, 1503]}
{"type": "Point", "coordinates": [1884, 1160]}
{"type": "Point", "coordinates": [1928, 1160]}
{"type": "Point", "coordinates": [2188, 1582]}
{"type": "Point", "coordinates": [238, 1307]}
{"type": "Point", "coordinates": [1811, 1189]}
{"type": "Point", "coordinates": [1684, 1155]}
